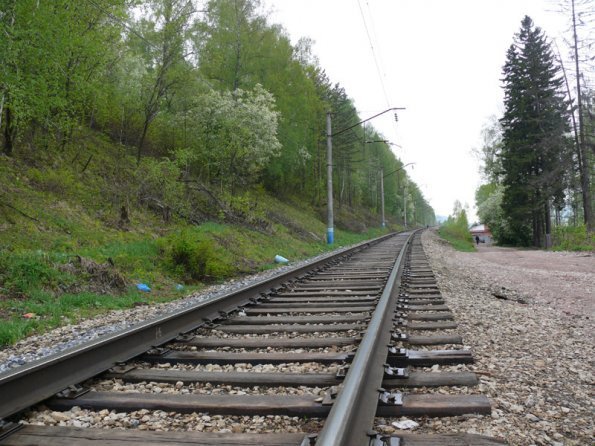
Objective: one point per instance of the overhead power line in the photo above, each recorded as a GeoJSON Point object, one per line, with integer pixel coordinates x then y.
{"type": "Point", "coordinates": [374, 54]}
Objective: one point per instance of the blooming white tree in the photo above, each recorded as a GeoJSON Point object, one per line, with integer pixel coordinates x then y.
{"type": "Point", "coordinates": [234, 135]}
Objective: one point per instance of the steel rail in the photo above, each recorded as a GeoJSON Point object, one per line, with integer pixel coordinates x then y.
{"type": "Point", "coordinates": [352, 415]}
{"type": "Point", "coordinates": [34, 382]}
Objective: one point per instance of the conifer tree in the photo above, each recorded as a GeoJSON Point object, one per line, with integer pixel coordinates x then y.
{"type": "Point", "coordinates": [535, 147]}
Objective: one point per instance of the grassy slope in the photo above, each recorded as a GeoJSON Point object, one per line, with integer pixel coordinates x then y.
{"type": "Point", "coordinates": [461, 241]}
{"type": "Point", "coordinates": [59, 238]}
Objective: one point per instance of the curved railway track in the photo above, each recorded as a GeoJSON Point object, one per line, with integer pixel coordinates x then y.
{"type": "Point", "coordinates": [333, 349]}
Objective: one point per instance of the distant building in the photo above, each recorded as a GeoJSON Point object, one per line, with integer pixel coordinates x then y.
{"type": "Point", "coordinates": [483, 232]}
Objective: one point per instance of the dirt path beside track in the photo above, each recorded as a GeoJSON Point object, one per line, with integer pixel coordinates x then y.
{"type": "Point", "coordinates": [562, 280]}
{"type": "Point", "coordinates": [528, 316]}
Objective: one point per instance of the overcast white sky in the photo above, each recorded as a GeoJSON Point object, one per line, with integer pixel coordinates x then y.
{"type": "Point", "coordinates": [440, 59]}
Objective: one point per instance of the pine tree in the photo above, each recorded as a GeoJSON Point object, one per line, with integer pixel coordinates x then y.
{"type": "Point", "coordinates": [535, 147]}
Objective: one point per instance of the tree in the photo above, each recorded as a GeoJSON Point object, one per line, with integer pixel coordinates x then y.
{"type": "Point", "coordinates": [233, 136]}
{"type": "Point", "coordinates": [53, 58]}
{"type": "Point", "coordinates": [238, 48]}
{"type": "Point", "coordinates": [534, 148]}
{"type": "Point", "coordinates": [580, 12]}
{"type": "Point", "coordinates": [165, 31]}
{"type": "Point", "coordinates": [489, 153]}
{"type": "Point", "coordinates": [489, 211]}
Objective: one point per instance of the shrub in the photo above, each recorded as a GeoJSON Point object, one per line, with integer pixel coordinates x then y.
{"type": "Point", "coordinates": [57, 181]}
{"type": "Point", "coordinates": [193, 258]}
{"type": "Point", "coordinates": [23, 272]}
{"type": "Point", "coordinates": [572, 238]}
{"type": "Point", "coordinates": [456, 231]}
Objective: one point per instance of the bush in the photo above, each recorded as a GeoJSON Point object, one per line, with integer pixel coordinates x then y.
{"type": "Point", "coordinates": [159, 187]}
{"type": "Point", "coordinates": [193, 258]}
{"type": "Point", "coordinates": [21, 273]}
{"type": "Point", "coordinates": [56, 181]}
{"type": "Point", "coordinates": [572, 238]}
{"type": "Point", "coordinates": [456, 231]}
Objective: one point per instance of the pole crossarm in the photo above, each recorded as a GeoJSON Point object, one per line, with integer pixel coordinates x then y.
{"type": "Point", "coordinates": [385, 141]}
{"type": "Point", "coordinates": [366, 120]}
{"type": "Point", "coordinates": [395, 171]}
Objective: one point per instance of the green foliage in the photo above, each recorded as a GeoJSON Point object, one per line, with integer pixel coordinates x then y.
{"type": "Point", "coordinates": [535, 151]}
{"type": "Point", "coordinates": [23, 272]}
{"type": "Point", "coordinates": [490, 212]}
{"type": "Point", "coordinates": [160, 187]}
{"type": "Point", "coordinates": [484, 192]}
{"type": "Point", "coordinates": [491, 151]}
{"type": "Point", "coordinates": [572, 238]}
{"type": "Point", "coordinates": [244, 140]}
{"type": "Point", "coordinates": [192, 257]}
{"type": "Point", "coordinates": [53, 55]}
{"type": "Point", "coordinates": [456, 230]}
{"type": "Point", "coordinates": [225, 95]}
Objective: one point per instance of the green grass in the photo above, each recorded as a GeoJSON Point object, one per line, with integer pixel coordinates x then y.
{"type": "Point", "coordinates": [457, 242]}
{"type": "Point", "coordinates": [457, 235]}
{"type": "Point", "coordinates": [31, 280]}
{"type": "Point", "coordinates": [48, 311]}
{"type": "Point", "coordinates": [53, 213]}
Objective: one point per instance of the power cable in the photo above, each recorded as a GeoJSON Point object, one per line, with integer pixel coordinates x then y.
{"type": "Point", "coordinates": [373, 54]}
{"type": "Point", "coordinates": [376, 56]}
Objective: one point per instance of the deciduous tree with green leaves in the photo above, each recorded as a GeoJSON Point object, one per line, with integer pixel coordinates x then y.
{"type": "Point", "coordinates": [53, 58]}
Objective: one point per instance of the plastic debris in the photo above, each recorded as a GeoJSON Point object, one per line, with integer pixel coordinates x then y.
{"type": "Point", "coordinates": [405, 424]}
{"type": "Point", "coordinates": [143, 287]}
{"type": "Point", "coordinates": [29, 315]}
{"type": "Point", "coordinates": [179, 287]}
{"type": "Point", "coordinates": [281, 259]}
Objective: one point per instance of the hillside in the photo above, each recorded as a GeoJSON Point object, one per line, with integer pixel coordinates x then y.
{"type": "Point", "coordinates": [143, 143]}
{"type": "Point", "coordinates": [77, 234]}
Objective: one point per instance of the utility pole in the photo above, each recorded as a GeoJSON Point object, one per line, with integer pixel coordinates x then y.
{"type": "Point", "coordinates": [330, 231]}
{"type": "Point", "coordinates": [382, 176]}
{"type": "Point", "coordinates": [330, 236]}
{"type": "Point", "coordinates": [405, 203]}
{"type": "Point", "coordinates": [382, 195]}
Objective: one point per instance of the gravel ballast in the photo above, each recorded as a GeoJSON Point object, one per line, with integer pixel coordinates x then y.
{"type": "Point", "coordinates": [527, 316]}
{"type": "Point", "coordinates": [534, 359]}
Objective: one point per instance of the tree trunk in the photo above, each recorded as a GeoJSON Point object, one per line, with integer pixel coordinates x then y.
{"type": "Point", "coordinates": [1, 109]}
{"type": "Point", "coordinates": [548, 225]}
{"type": "Point", "coordinates": [8, 133]}
{"type": "Point", "coordinates": [139, 149]}
{"type": "Point", "coordinates": [585, 183]}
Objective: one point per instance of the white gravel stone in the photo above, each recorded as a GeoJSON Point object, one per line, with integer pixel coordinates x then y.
{"type": "Point", "coordinates": [159, 420]}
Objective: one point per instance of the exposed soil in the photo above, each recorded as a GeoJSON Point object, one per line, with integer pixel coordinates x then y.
{"type": "Point", "coordinates": [562, 280]}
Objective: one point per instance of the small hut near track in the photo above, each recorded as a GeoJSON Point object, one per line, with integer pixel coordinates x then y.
{"type": "Point", "coordinates": [483, 232]}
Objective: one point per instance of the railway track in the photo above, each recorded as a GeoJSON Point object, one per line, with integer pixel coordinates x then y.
{"type": "Point", "coordinates": [324, 355]}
